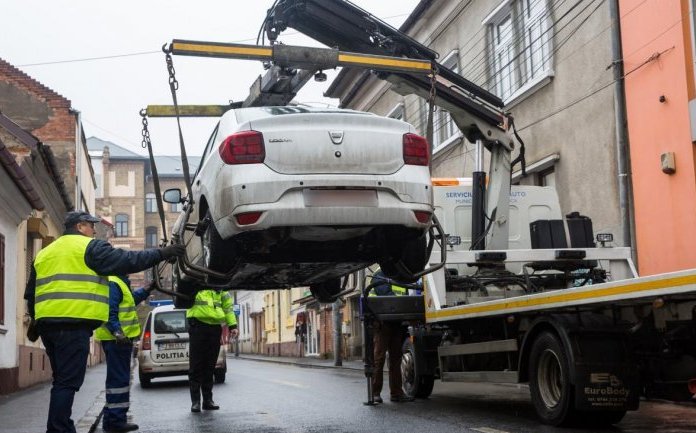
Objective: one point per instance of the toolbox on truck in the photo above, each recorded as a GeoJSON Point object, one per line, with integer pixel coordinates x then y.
{"type": "Point", "coordinates": [396, 308]}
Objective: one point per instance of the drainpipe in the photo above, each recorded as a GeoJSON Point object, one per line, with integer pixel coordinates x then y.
{"type": "Point", "coordinates": [78, 162]}
{"type": "Point", "coordinates": [622, 145]}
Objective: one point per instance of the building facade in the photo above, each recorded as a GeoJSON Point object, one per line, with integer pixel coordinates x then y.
{"type": "Point", "coordinates": [658, 62]}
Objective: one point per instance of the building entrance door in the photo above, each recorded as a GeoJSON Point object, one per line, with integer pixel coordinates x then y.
{"type": "Point", "coordinates": [312, 342]}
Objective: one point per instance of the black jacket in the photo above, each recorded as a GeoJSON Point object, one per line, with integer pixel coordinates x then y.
{"type": "Point", "coordinates": [105, 260]}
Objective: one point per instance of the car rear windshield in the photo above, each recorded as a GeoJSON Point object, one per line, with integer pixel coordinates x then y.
{"type": "Point", "coordinates": [171, 322]}
{"type": "Point", "coordinates": [250, 114]}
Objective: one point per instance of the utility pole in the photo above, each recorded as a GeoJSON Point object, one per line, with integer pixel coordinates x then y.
{"type": "Point", "coordinates": [337, 334]}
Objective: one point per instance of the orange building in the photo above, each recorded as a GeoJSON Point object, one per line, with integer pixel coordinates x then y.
{"type": "Point", "coordinates": [658, 42]}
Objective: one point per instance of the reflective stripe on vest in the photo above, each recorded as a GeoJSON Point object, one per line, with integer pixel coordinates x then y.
{"type": "Point", "coordinates": [65, 285]}
{"type": "Point", "coordinates": [213, 308]}
{"type": "Point", "coordinates": [127, 315]}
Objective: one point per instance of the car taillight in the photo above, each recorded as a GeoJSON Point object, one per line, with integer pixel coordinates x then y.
{"type": "Point", "coordinates": [422, 216]}
{"type": "Point", "coordinates": [244, 219]}
{"type": "Point", "coordinates": [245, 147]}
{"type": "Point", "coordinates": [146, 340]}
{"type": "Point", "coordinates": [416, 149]}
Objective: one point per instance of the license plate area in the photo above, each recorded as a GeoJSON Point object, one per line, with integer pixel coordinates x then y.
{"type": "Point", "coordinates": [171, 346]}
{"type": "Point", "coordinates": [340, 197]}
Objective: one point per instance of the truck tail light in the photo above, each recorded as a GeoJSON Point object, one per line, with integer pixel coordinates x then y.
{"type": "Point", "coordinates": [244, 219]}
{"type": "Point", "coordinates": [146, 341]}
{"type": "Point", "coordinates": [416, 149]}
{"type": "Point", "coordinates": [422, 216]}
{"type": "Point", "coordinates": [245, 147]}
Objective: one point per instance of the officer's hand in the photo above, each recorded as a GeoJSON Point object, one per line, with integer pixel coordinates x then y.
{"type": "Point", "coordinates": [172, 251]}
{"type": "Point", "coordinates": [150, 287]}
{"type": "Point", "coordinates": [121, 337]}
{"type": "Point", "coordinates": [233, 332]}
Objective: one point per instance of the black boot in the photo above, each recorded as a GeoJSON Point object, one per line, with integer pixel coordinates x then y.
{"type": "Point", "coordinates": [208, 403]}
{"type": "Point", "coordinates": [195, 396]}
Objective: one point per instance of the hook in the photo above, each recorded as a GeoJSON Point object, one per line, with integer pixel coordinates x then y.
{"type": "Point", "coordinates": [143, 112]}
{"type": "Point", "coordinates": [166, 50]}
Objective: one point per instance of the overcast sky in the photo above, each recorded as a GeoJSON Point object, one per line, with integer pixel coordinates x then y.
{"type": "Point", "coordinates": [110, 92]}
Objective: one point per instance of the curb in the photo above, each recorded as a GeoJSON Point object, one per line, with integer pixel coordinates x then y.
{"type": "Point", "coordinates": [279, 360]}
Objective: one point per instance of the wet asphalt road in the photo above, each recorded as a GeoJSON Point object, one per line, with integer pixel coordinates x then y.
{"type": "Point", "coordinates": [274, 398]}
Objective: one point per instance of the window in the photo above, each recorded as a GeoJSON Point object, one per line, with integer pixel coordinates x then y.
{"type": "Point", "coordinates": [2, 280]}
{"type": "Point", "coordinates": [150, 202]}
{"type": "Point", "coordinates": [175, 207]}
{"type": "Point", "coordinates": [121, 225]}
{"type": "Point", "coordinates": [151, 237]}
{"type": "Point", "coordinates": [397, 112]}
{"type": "Point", "coordinates": [444, 127]}
{"type": "Point", "coordinates": [520, 54]}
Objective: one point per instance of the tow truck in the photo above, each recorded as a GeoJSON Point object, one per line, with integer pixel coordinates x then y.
{"type": "Point", "coordinates": [575, 323]}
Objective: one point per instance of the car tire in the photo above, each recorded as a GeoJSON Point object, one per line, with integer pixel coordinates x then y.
{"type": "Point", "coordinates": [145, 379]}
{"type": "Point", "coordinates": [219, 375]}
{"type": "Point", "coordinates": [410, 258]}
{"type": "Point", "coordinates": [327, 291]}
{"type": "Point", "coordinates": [214, 253]}
{"type": "Point", "coordinates": [553, 394]}
{"type": "Point", "coordinates": [414, 385]}
{"type": "Point", "coordinates": [184, 287]}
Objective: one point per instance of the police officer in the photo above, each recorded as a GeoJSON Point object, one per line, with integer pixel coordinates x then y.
{"type": "Point", "coordinates": [116, 337]}
{"type": "Point", "coordinates": [68, 296]}
{"type": "Point", "coordinates": [388, 337]}
{"type": "Point", "coordinates": [210, 309]}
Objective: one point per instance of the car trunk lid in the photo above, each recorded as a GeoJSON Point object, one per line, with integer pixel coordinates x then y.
{"type": "Point", "coordinates": [332, 143]}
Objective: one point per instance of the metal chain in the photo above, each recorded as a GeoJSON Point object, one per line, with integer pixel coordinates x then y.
{"type": "Point", "coordinates": [173, 83]}
{"type": "Point", "coordinates": [146, 133]}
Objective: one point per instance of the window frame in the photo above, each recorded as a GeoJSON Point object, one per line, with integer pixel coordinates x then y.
{"type": "Point", "coordinates": [119, 226]}
{"type": "Point", "coordinates": [521, 52]}
{"type": "Point", "coordinates": [149, 231]}
{"type": "Point", "coordinates": [444, 128]}
{"type": "Point", "coordinates": [150, 202]}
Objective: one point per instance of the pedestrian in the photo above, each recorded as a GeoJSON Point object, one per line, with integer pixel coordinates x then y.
{"type": "Point", "coordinates": [211, 309]}
{"type": "Point", "coordinates": [388, 337]}
{"type": "Point", "coordinates": [68, 297]}
{"type": "Point", "coordinates": [116, 337]}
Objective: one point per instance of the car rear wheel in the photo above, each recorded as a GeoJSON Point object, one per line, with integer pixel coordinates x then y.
{"type": "Point", "coordinates": [145, 379]}
{"type": "Point", "coordinates": [219, 375]}
{"type": "Point", "coordinates": [213, 247]}
{"type": "Point", "coordinates": [409, 258]}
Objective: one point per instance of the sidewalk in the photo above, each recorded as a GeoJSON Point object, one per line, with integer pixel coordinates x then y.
{"type": "Point", "coordinates": [307, 361]}
{"type": "Point", "coordinates": [26, 410]}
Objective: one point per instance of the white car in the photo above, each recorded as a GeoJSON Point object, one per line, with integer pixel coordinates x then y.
{"type": "Point", "coordinates": [163, 349]}
{"type": "Point", "coordinates": [298, 196]}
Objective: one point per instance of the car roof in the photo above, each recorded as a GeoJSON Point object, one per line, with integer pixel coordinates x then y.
{"type": "Point", "coordinates": [163, 308]}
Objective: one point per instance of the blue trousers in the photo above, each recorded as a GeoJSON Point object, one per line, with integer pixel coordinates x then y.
{"type": "Point", "coordinates": [118, 359]}
{"type": "Point", "coordinates": [67, 350]}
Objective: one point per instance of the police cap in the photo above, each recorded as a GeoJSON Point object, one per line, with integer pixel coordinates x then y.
{"type": "Point", "coordinates": [72, 218]}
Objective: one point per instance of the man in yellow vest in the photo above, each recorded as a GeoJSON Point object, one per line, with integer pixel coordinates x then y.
{"type": "Point", "coordinates": [211, 309]}
{"type": "Point", "coordinates": [116, 337]}
{"type": "Point", "coordinates": [68, 296]}
{"type": "Point", "coordinates": [388, 337]}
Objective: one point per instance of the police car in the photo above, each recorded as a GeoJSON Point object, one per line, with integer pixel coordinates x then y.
{"type": "Point", "coordinates": [163, 349]}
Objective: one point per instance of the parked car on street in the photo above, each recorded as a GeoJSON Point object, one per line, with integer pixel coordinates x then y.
{"type": "Point", "coordinates": [299, 196]}
{"type": "Point", "coordinates": [163, 349]}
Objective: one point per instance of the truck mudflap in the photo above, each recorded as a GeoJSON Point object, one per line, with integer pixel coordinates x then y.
{"type": "Point", "coordinates": [606, 388]}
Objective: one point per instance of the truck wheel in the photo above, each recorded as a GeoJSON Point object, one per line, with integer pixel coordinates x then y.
{"type": "Point", "coordinates": [219, 375]}
{"type": "Point", "coordinates": [549, 381]}
{"type": "Point", "coordinates": [145, 379]}
{"type": "Point", "coordinates": [415, 385]}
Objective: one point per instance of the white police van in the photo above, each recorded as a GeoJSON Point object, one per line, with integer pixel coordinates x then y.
{"type": "Point", "coordinates": [163, 349]}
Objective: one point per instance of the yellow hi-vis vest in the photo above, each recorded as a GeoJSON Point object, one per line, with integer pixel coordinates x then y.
{"type": "Point", "coordinates": [213, 307]}
{"type": "Point", "coordinates": [127, 315]}
{"type": "Point", "coordinates": [66, 286]}
{"type": "Point", "coordinates": [397, 290]}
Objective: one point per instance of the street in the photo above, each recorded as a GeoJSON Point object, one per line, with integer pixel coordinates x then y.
{"type": "Point", "coordinates": [270, 397]}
